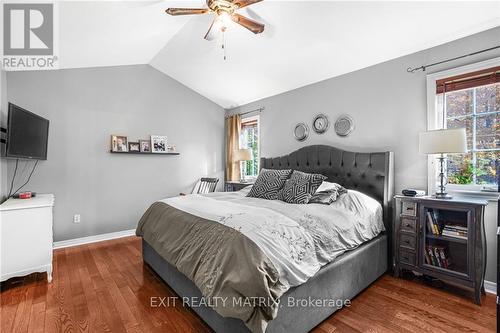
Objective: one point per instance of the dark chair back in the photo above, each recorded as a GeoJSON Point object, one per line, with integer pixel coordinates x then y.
{"type": "Point", "coordinates": [207, 185]}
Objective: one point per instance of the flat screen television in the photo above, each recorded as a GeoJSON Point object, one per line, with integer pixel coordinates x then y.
{"type": "Point", "coordinates": [27, 134]}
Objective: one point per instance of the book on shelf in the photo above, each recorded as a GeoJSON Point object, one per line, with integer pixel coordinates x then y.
{"type": "Point", "coordinates": [440, 252]}
{"type": "Point", "coordinates": [432, 258]}
{"type": "Point", "coordinates": [427, 258]}
{"type": "Point", "coordinates": [430, 227]}
{"type": "Point", "coordinates": [455, 228]}
{"type": "Point", "coordinates": [436, 256]}
{"type": "Point", "coordinates": [432, 223]}
{"type": "Point", "coordinates": [453, 234]}
{"type": "Point", "coordinates": [456, 231]}
{"type": "Point", "coordinates": [435, 216]}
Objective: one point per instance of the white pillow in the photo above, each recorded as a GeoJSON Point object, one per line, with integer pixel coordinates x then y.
{"type": "Point", "coordinates": [325, 186]}
{"type": "Point", "coordinates": [245, 190]}
{"type": "Point", "coordinates": [359, 203]}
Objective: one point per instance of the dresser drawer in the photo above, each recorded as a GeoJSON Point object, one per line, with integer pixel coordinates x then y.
{"type": "Point", "coordinates": [407, 241]}
{"type": "Point", "coordinates": [408, 225]}
{"type": "Point", "coordinates": [407, 257]}
{"type": "Point", "coordinates": [409, 208]}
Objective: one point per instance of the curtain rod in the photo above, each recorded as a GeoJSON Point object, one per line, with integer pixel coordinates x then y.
{"type": "Point", "coordinates": [244, 113]}
{"type": "Point", "coordinates": [424, 67]}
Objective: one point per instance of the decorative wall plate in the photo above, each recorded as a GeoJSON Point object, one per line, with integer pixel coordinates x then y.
{"type": "Point", "coordinates": [344, 125]}
{"type": "Point", "coordinates": [320, 123]}
{"type": "Point", "coordinates": [301, 132]}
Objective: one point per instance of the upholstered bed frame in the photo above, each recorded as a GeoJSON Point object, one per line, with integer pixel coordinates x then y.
{"type": "Point", "coordinates": [340, 280]}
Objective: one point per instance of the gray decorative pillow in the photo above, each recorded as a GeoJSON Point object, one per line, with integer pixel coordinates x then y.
{"type": "Point", "coordinates": [326, 197]}
{"type": "Point", "coordinates": [269, 183]}
{"type": "Point", "coordinates": [300, 187]}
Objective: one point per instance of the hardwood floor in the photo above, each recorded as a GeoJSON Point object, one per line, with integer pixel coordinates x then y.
{"type": "Point", "coordinates": [104, 287]}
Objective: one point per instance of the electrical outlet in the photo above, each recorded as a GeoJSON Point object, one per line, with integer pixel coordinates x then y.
{"type": "Point", "coordinates": [77, 218]}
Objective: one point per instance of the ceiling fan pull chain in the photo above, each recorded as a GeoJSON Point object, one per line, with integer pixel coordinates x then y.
{"type": "Point", "coordinates": [224, 43]}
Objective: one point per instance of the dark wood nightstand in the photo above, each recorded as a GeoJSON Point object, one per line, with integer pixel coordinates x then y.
{"type": "Point", "coordinates": [444, 239]}
{"type": "Point", "coordinates": [232, 186]}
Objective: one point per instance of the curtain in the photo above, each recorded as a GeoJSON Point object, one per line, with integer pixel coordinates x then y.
{"type": "Point", "coordinates": [233, 126]}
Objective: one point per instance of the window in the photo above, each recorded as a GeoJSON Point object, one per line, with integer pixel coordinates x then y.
{"type": "Point", "coordinates": [470, 100]}
{"type": "Point", "coordinates": [249, 138]}
{"type": "Point", "coordinates": [478, 110]}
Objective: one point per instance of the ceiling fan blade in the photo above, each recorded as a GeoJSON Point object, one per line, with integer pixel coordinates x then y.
{"type": "Point", "coordinates": [244, 3]}
{"type": "Point", "coordinates": [270, 29]}
{"type": "Point", "coordinates": [250, 24]}
{"type": "Point", "coordinates": [210, 34]}
{"type": "Point", "coordinates": [186, 11]}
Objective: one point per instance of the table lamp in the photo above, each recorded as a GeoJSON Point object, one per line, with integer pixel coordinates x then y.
{"type": "Point", "coordinates": [445, 141]}
{"type": "Point", "coordinates": [242, 155]}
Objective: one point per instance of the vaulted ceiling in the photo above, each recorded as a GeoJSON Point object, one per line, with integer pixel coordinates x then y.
{"type": "Point", "coordinates": [304, 41]}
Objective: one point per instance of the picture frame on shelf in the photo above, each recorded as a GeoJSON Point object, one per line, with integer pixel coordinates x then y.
{"type": "Point", "coordinates": [119, 143]}
{"type": "Point", "coordinates": [145, 146]}
{"type": "Point", "coordinates": [171, 149]}
{"type": "Point", "coordinates": [134, 147]}
{"type": "Point", "coordinates": [158, 144]}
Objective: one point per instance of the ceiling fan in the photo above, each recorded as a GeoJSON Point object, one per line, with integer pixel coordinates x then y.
{"type": "Point", "coordinates": [225, 11]}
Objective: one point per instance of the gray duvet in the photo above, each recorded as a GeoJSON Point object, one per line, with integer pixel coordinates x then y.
{"type": "Point", "coordinates": [225, 265]}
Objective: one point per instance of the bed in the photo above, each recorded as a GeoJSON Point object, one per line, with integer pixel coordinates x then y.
{"type": "Point", "coordinates": [341, 279]}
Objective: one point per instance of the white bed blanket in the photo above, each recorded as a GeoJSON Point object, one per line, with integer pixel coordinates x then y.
{"type": "Point", "coordinates": [298, 239]}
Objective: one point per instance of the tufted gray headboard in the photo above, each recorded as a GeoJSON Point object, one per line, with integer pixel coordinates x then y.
{"type": "Point", "coordinates": [370, 173]}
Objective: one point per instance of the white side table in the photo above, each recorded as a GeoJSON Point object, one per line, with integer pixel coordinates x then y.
{"type": "Point", "coordinates": [26, 236]}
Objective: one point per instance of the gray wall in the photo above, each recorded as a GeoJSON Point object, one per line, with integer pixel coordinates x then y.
{"type": "Point", "coordinates": [389, 107]}
{"type": "Point", "coordinates": [86, 106]}
{"type": "Point", "coordinates": [3, 123]}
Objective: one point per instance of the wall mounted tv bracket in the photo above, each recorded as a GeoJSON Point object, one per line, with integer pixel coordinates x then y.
{"type": "Point", "coordinates": [3, 130]}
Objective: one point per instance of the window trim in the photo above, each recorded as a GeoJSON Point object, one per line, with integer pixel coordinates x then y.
{"type": "Point", "coordinates": [249, 119]}
{"type": "Point", "coordinates": [433, 121]}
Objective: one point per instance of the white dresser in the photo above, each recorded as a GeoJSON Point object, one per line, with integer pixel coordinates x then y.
{"type": "Point", "coordinates": [26, 236]}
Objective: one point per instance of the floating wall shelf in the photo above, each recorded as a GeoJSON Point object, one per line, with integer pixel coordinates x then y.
{"type": "Point", "coordinates": [141, 153]}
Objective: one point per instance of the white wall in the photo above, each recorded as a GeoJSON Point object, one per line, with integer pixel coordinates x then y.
{"type": "Point", "coordinates": [388, 106]}
{"type": "Point", "coordinates": [86, 106]}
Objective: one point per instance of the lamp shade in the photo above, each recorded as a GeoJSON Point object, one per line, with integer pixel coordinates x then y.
{"type": "Point", "coordinates": [242, 155]}
{"type": "Point", "coordinates": [443, 141]}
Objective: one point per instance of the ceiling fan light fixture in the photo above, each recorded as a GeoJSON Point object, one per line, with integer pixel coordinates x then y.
{"type": "Point", "coordinates": [225, 11]}
{"type": "Point", "coordinates": [223, 18]}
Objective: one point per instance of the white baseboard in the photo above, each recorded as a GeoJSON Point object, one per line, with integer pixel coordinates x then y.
{"type": "Point", "coordinates": [93, 239]}
{"type": "Point", "coordinates": [490, 287]}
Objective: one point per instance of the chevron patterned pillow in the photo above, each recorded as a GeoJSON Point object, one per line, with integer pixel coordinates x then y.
{"type": "Point", "coordinates": [269, 183]}
{"type": "Point", "coordinates": [300, 187]}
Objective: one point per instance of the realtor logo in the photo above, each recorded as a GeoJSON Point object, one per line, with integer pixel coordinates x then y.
{"type": "Point", "coordinates": [28, 36]}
